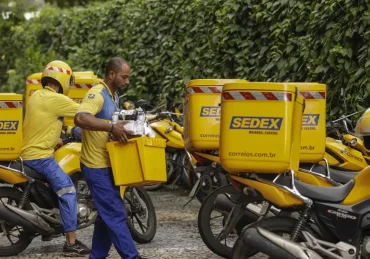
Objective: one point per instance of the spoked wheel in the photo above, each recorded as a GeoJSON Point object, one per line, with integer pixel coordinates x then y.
{"type": "Point", "coordinates": [212, 217]}
{"type": "Point", "coordinates": [186, 170]}
{"type": "Point", "coordinates": [211, 182]}
{"type": "Point", "coordinates": [141, 217]}
{"type": "Point", "coordinates": [13, 239]}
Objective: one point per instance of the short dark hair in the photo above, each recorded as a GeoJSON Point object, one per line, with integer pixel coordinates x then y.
{"type": "Point", "coordinates": [114, 64]}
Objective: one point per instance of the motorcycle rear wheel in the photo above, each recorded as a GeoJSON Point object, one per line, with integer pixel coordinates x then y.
{"type": "Point", "coordinates": [222, 247]}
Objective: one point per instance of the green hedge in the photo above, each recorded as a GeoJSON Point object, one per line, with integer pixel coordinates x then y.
{"type": "Point", "coordinates": [169, 42]}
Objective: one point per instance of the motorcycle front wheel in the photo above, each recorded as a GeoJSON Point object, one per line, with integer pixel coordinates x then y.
{"type": "Point", "coordinates": [141, 217]}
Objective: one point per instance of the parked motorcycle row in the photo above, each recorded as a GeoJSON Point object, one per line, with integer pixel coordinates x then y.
{"type": "Point", "coordinates": [297, 182]}
{"type": "Point", "coordinates": [271, 174]}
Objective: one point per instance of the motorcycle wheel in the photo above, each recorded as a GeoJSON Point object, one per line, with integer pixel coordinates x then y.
{"type": "Point", "coordinates": [185, 169]}
{"type": "Point", "coordinates": [210, 184]}
{"type": "Point", "coordinates": [277, 225]}
{"type": "Point", "coordinates": [142, 222]}
{"type": "Point", "coordinates": [206, 223]}
{"type": "Point", "coordinates": [13, 196]}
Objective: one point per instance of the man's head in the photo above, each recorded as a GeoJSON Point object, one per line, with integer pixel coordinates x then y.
{"type": "Point", "coordinates": [117, 73]}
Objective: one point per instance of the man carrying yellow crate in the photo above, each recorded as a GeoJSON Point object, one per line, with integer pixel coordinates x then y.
{"type": "Point", "coordinates": [41, 130]}
{"type": "Point", "coordinates": [93, 117]}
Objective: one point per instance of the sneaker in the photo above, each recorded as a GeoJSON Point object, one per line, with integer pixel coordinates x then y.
{"type": "Point", "coordinates": [78, 248]}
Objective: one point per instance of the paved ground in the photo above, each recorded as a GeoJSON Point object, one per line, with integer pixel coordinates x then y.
{"type": "Point", "coordinates": [177, 233]}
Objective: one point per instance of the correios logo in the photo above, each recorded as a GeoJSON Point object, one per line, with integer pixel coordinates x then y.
{"type": "Point", "coordinates": [256, 123]}
{"type": "Point", "coordinates": [354, 157]}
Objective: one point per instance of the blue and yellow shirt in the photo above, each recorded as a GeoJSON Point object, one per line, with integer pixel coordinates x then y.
{"type": "Point", "coordinates": [99, 102]}
{"type": "Point", "coordinates": [43, 122]}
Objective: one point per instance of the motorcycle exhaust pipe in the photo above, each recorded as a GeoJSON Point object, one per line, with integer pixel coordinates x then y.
{"type": "Point", "coordinates": [276, 246]}
{"type": "Point", "coordinates": [25, 219]}
{"type": "Point", "coordinates": [224, 203]}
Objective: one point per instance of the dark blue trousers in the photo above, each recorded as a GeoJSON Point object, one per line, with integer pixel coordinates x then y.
{"type": "Point", "coordinates": [62, 185]}
{"type": "Point", "coordinates": [110, 225]}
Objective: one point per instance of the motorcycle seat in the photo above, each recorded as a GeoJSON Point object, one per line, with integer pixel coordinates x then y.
{"type": "Point", "coordinates": [28, 171]}
{"type": "Point", "coordinates": [342, 176]}
{"type": "Point", "coordinates": [326, 194]}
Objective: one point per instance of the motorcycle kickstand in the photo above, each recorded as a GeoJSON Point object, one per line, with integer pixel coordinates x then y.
{"type": "Point", "coordinates": [172, 186]}
{"type": "Point", "coordinates": [197, 190]}
{"type": "Point", "coordinates": [231, 221]}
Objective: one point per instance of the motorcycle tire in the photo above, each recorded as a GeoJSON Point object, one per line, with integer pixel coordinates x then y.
{"type": "Point", "coordinates": [151, 229]}
{"type": "Point", "coordinates": [204, 222]}
{"type": "Point", "coordinates": [25, 237]}
{"type": "Point", "coordinates": [221, 181]}
{"type": "Point", "coordinates": [277, 225]}
{"type": "Point", "coordinates": [154, 187]}
{"type": "Point", "coordinates": [184, 170]}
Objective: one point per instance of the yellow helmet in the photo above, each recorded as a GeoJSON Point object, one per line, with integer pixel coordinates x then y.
{"type": "Point", "coordinates": [363, 125]}
{"type": "Point", "coordinates": [60, 72]}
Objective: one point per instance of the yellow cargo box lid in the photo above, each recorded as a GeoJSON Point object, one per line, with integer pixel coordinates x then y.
{"type": "Point", "coordinates": [78, 74]}
{"type": "Point", "coordinates": [34, 76]}
{"type": "Point", "coordinates": [200, 82]}
{"type": "Point", "coordinates": [84, 74]}
{"type": "Point", "coordinates": [10, 97]}
{"type": "Point", "coordinates": [308, 86]}
{"type": "Point", "coordinates": [260, 86]}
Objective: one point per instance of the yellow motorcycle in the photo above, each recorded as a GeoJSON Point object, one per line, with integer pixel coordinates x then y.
{"type": "Point", "coordinates": [29, 207]}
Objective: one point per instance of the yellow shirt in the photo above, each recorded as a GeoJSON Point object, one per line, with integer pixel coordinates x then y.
{"type": "Point", "coordinates": [99, 102]}
{"type": "Point", "coordinates": [43, 122]}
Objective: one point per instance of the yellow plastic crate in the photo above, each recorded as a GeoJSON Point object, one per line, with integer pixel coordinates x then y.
{"type": "Point", "coordinates": [258, 127]}
{"type": "Point", "coordinates": [139, 162]}
{"type": "Point", "coordinates": [11, 117]}
{"type": "Point", "coordinates": [314, 122]}
{"type": "Point", "coordinates": [202, 113]}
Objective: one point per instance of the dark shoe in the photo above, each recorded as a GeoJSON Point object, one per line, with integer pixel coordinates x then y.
{"type": "Point", "coordinates": [141, 257]}
{"type": "Point", "coordinates": [78, 248]}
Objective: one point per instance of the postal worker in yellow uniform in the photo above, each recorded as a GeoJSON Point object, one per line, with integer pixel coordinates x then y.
{"type": "Point", "coordinates": [42, 127]}
{"type": "Point", "coordinates": [94, 116]}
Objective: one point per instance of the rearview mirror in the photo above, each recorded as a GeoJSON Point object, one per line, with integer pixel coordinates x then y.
{"type": "Point", "coordinates": [141, 103]}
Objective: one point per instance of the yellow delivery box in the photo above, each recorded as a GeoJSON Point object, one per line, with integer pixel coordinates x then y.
{"type": "Point", "coordinates": [259, 129]}
{"type": "Point", "coordinates": [202, 113]}
{"type": "Point", "coordinates": [314, 122]}
{"type": "Point", "coordinates": [83, 82]}
{"type": "Point", "coordinates": [33, 83]}
{"type": "Point", "coordinates": [139, 162]}
{"type": "Point", "coordinates": [11, 117]}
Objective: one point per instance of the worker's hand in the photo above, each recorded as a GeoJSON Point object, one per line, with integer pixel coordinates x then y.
{"type": "Point", "coordinates": [59, 145]}
{"type": "Point", "coordinates": [119, 132]}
